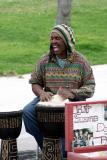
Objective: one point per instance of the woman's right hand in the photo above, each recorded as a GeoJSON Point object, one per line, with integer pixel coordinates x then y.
{"type": "Point", "coordinates": [45, 96]}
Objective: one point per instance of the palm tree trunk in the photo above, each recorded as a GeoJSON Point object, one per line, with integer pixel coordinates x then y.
{"type": "Point", "coordinates": [64, 12]}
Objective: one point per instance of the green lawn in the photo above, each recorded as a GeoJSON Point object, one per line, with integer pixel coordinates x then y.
{"type": "Point", "coordinates": [25, 27]}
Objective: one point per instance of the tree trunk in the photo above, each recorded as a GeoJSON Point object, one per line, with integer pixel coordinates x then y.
{"type": "Point", "coordinates": [64, 12]}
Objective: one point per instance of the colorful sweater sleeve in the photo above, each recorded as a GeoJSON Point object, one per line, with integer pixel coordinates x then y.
{"type": "Point", "coordinates": [88, 87]}
{"type": "Point", "coordinates": [37, 75]}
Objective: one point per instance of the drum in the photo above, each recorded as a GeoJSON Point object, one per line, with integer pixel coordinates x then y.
{"type": "Point", "coordinates": [51, 122]}
{"type": "Point", "coordinates": [10, 128]}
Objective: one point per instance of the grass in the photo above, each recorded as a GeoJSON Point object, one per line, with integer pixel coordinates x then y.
{"type": "Point", "coordinates": [91, 29]}
{"type": "Point", "coordinates": [25, 26]}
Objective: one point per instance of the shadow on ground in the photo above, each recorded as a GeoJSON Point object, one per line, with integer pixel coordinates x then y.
{"type": "Point", "coordinates": [27, 155]}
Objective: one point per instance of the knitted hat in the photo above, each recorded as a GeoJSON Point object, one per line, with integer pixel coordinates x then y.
{"type": "Point", "coordinates": [66, 33]}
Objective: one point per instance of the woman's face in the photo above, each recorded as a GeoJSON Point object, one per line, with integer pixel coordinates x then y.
{"type": "Point", "coordinates": [58, 45]}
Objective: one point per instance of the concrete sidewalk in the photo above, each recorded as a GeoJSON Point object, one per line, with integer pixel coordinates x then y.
{"type": "Point", "coordinates": [16, 92]}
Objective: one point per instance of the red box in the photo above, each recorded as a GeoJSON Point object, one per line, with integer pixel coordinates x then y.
{"type": "Point", "coordinates": [86, 130]}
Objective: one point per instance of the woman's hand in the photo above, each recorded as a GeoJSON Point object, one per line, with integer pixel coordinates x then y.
{"type": "Point", "coordinates": [45, 96]}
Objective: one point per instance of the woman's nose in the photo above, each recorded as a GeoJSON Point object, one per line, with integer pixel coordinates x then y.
{"type": "Point", "coordinates": [53, 40]}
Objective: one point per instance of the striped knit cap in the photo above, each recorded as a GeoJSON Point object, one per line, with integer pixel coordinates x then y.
{"type": "Point", "coordinates": [66, 33]}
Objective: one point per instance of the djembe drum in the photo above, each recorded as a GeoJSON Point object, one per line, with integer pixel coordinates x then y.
{"type": "Point", "coordinates": [10, 128]}
{"type": "Point", "coordinates": [51, 122]}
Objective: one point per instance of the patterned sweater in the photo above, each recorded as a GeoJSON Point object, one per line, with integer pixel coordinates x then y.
{"type": "Point", "coordinates": [77, 76]}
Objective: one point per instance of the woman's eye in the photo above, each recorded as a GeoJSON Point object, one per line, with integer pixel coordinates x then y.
{"type": "Point", "coordinates": [57, 38]}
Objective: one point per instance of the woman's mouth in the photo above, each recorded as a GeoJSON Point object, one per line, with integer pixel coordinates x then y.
{"type": "Point", "coordinates": [55, 48]}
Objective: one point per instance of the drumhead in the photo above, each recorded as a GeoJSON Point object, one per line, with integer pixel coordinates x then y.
{"type": "Point", "coordinates": [56, 101]}
{"type": "Point", "coordinates": [9, 108]}
{"type": "Point", "coordinates": [11, 113]}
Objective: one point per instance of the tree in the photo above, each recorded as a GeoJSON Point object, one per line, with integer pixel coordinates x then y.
{"type": "Point", "coordinates": [64, 12]}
